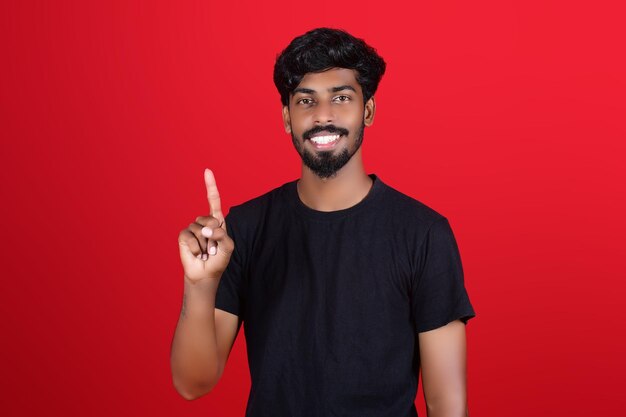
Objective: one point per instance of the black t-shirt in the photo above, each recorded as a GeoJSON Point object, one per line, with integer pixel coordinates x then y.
{"type": "Point", "coordinates": [332, 302]}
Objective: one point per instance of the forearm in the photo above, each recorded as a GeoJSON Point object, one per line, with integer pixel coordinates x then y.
{"type": "Point", "coordinates": [194, 356]}
{"type": "Point", "coordinates": [447, 408]}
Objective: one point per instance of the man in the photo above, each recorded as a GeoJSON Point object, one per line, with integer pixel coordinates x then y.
{"type": "Point", "coordinates": [345, 286]}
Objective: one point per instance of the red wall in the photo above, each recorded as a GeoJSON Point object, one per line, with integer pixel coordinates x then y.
{"type": "Point", "coordinates": [508, 119]}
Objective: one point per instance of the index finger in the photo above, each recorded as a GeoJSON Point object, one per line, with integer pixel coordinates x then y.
{"type": "Point", "coordinates": [213, 195]}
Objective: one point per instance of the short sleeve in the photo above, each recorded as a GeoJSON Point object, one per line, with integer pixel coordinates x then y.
{"type": "Point", "coordinates": [438, 294]}
{"type": "Point", "coordinates": [230, 292]}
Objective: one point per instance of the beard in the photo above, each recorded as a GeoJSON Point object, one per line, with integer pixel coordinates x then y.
{"type": "Point", "coordinates": [325, 164]}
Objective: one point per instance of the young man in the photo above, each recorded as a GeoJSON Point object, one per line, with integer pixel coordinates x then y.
{"type": "Point", "coordinates": [345, 286]}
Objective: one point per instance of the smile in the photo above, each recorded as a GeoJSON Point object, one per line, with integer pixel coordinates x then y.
{"type": "Point", "coordinates": [324, 142]}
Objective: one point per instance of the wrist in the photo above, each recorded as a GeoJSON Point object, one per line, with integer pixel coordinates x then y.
{"type": "Point", "coordinates": [199, 297]}
{"type": "Point", "coordinates": [201, 285]}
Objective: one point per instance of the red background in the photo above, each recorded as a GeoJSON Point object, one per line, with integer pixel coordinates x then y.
{"type": "Point", "coordinates": [506, 117]}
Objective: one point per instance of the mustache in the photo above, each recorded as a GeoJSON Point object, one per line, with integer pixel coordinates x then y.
{"type": "Point", "coordinates": [327, 128]}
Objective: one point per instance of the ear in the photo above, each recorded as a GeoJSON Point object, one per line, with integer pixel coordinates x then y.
{"type": "Point", "coordinates": [370, 111]}
{"type": "Point", "coordinates": [286, 119]}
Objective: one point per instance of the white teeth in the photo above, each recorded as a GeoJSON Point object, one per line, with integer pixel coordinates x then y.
{"type": "Point", "coordinates": [325, 139]}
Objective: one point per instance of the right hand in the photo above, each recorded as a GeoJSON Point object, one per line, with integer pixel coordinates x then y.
{"type": "Point", "coordinates": [206, 258]}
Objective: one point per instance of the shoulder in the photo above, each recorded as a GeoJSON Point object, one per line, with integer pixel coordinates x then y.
{"type": "Point", "coordinates": [251, 212]}
{"type": "Point", "coordinates": [413, 222]}
{"type": "Point", "coordinates": [409, 210]}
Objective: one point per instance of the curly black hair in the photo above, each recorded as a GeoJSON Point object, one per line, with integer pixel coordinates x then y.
{"type": "Point", "coordinates": [322, 49]}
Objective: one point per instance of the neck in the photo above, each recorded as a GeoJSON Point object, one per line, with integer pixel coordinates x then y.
{"type": "Point", "coordinates": [346, 189]}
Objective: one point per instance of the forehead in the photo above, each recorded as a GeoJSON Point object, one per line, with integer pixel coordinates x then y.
{"type": "Point", "coordinates": [334, 77]}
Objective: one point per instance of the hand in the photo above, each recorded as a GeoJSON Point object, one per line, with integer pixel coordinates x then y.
{"type": "Point", "coordinates": [205, 247]}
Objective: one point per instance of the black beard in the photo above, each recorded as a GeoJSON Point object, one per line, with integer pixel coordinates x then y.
{"type": "Point", "coordinates": [325, 164]}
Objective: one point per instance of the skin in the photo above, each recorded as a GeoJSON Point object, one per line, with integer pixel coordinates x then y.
{"type": "Point", "coordinates": [317, 105]}
{"type": "Point", "coordinates": [205, 335]}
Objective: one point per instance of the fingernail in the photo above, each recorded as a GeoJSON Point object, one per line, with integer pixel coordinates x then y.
{"type": "Point", "coordinates": [212, 250]}
{"type": "Point", "coordinates": [199, 256]}
{"type": "Point", "coordinates": [206, 232]}
{"type": "Point", "coordinates": [205, 256]}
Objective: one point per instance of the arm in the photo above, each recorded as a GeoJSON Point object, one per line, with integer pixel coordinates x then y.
{"type": "Point", "coordinates": [444, 373]}
{"type": "Point", "coordinates": [204, 335]}
{"type": "Point", "coordinates": [202, 341]}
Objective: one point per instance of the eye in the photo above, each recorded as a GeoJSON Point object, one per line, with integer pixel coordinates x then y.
{"type": "Point", "coordinates": [305, 101]}
{"type": "Point", "coordinates": [342, 98]}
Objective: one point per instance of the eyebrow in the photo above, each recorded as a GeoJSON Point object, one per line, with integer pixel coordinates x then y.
{"type": "Point", "coordinates": [332, 90]}
{"type": "Point", "coordinates": [342, 87]}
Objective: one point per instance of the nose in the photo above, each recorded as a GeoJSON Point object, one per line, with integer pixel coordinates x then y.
{"type": "Point", "coordinates": [324, 113]}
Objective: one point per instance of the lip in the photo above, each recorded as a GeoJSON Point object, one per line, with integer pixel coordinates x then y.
{"type": "Point", "coordinates": [323, 133]}
{"type": "Point", "coordinates": [325, 146]}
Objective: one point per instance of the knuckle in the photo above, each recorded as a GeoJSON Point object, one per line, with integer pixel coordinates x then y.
{"type": "Point", "coordinates": [220, 234]}
{"type": "Point", "coordinates": [203, 220]}
{"type": "Point", "coordinates": [227, 243]}
{"type": "Point", "coordinates": [195, 247]}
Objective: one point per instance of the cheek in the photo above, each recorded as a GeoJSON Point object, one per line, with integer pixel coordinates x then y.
{"type": "Point", "coordinates": [353, 116]}
{"type": "Point", "coordinates": [299, 125]}
{"type": "Point", "coordinates": [354, 125]}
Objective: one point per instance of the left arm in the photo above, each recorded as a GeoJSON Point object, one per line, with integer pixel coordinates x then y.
{"type": "Point", "coordinates": [444, 370]}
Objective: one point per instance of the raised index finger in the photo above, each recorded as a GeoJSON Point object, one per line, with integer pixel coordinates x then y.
{"type": "Point", "coordinates": [213, 195]}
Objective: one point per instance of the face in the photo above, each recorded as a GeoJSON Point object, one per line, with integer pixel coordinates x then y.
{"type": "Point", "coordinates": [326, 118]}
